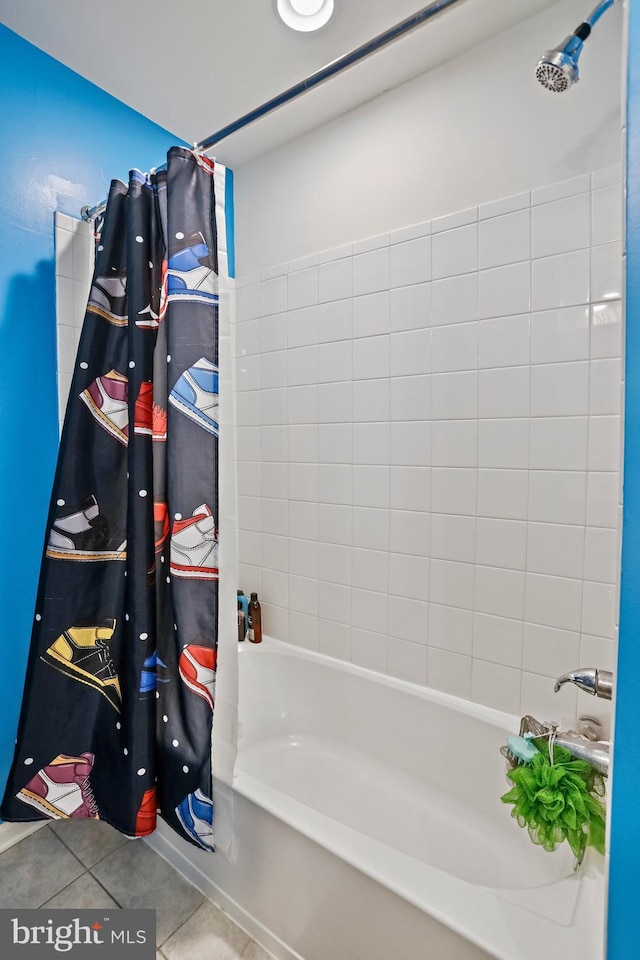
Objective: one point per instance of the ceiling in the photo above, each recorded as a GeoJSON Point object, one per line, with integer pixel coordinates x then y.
{"type": "Point", "coordinates": [195, 66]}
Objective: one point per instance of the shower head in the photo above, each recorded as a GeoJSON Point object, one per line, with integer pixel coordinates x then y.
{"type": "Point", "coordinates": [557, 68]}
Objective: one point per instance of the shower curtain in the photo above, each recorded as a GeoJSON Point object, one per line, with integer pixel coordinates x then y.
{"type": "Point", "coordinates": [117, 713]}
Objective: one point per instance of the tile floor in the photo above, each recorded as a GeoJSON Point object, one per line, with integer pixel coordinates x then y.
{"type": "Point", "coordinates": [88, 864]}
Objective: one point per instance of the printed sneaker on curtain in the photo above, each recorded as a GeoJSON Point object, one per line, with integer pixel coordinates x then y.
{"type": "Point", "coordinates": [117, 710]}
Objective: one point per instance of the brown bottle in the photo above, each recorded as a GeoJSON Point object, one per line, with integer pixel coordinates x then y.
{"type": "Point", "coordinates": [255, 619]}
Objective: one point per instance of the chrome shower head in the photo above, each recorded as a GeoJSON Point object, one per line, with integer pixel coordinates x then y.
{"type": "Point", "coordinates": [557, 69]}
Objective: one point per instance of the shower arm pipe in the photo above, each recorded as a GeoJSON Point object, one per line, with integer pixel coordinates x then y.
{"type": "Point", "coordinates": [331, 70]}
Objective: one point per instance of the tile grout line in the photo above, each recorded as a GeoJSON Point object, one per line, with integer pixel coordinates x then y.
{"type": "Point", "coordinates": [428, 644]}
{"type": "Point", "coordinates": [352, 381]}
{"type": "Point", "coordinates": [589, 422]}
{"type": "Point", "coordinates": [87, 870]}
{"type": "Point", "coordinates": [388, 422]}
{"type": "Point", "coordinates": [77, 859]}
{"type": "Point", "coordinates": [204, 900]}
{"type": "Point", "coordinates": [472, 652]}
{"type": "Point", "coordinates": [90, 868]}
{"type": "Point", "coordinates": [62, 889]}
{"type": "Point", "coordinates": [527, 581]}
{"type": "Point", "coordinates": [102, 886]}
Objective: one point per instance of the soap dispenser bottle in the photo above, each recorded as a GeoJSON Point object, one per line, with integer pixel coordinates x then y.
{"type": "Point", "coordinates": [243, 604]}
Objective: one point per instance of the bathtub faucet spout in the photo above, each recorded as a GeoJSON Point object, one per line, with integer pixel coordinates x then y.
{"type": "Point", "coordinates": [599, 683]}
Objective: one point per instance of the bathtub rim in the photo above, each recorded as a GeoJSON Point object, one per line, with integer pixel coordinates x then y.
{"type": "Point", "coordinates": [497, 718]}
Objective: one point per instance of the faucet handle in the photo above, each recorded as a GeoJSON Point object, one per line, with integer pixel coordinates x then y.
{"type": "Point", "coordinates": [599, 683]}
{"type": "Point", "coordinates": [590, 728]}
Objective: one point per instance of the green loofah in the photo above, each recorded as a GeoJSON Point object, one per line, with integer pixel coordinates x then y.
{"type": "Point", "coordinates": [559, 801]}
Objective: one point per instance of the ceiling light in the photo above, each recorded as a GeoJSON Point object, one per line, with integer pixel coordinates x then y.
{"type": "Point", "coordinates": [305, 15]}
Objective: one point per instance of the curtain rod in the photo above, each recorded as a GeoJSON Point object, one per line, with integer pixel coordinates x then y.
{"type": "Point", "coordinates": [315, 79]}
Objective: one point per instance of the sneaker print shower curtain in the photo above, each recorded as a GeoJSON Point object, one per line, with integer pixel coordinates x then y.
{"type": "Point", "coordinates": [119, 697]}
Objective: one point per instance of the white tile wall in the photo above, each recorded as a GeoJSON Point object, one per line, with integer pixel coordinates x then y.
{"type": "Point", "coordinates": [74, 247]}
{"type": "Point", "coordinates": [429, 445]}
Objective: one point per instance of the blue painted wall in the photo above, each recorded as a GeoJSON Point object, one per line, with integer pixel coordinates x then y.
{"type": "Point", "coordinates": [62, 140]}
{"type": "Point", "coordinates": [623, 937]}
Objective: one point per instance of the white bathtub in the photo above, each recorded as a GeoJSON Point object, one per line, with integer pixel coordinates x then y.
{"type": "Point", "coordinates": [369, 824]}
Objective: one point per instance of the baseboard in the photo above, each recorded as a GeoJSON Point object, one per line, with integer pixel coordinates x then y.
{"type": "Point", "coordinates": [185, 866]}
{"type": "Point", "coordinates": [12, 833]}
